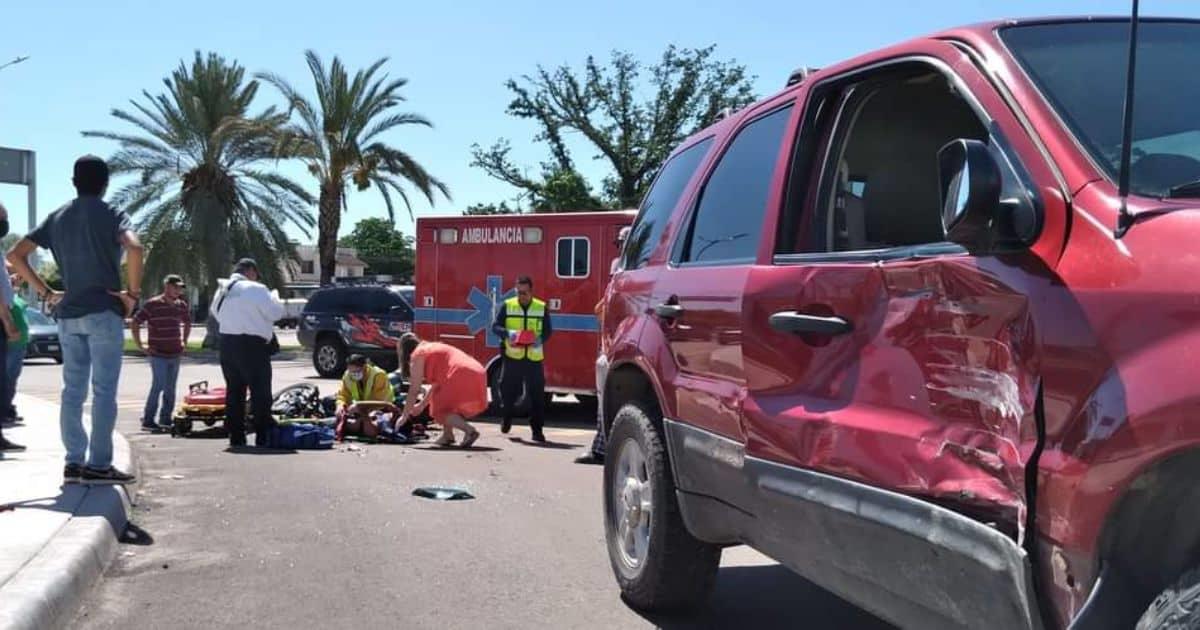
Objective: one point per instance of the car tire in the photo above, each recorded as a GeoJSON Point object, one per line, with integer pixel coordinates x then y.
{"type": "Point", "coordinates": [658, 564]}
{"type": "Point", "coordinates": [329, 357]}
{"type": "Point", "coordinates": [1176, 608]}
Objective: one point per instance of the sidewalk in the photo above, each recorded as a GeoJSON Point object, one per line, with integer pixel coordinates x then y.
{"type": "Point", "coordinates": [58, 540]}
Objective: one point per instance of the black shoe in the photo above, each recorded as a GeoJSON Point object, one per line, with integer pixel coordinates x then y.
{"type": "Point", "coordinates": [153, 428]}
{"type": "Point", "coordinates": [72, 473]}
{"type": "Point", "coordinates": [506, 425]}
{"type": "Point", "coordinates": [11, 447]}
{"type": "Point", "coordinates": [110, 476]}
{"type": "Point", "coordinates": [237, 440]}
{"type": "Point", "coordinates": [539, 437]}
{"type": "Point", "coordinates": [12, 421]}
{"type": "Point", "coordinates": [590, 458]}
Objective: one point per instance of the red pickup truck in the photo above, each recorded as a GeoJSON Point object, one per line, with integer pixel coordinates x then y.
{"type": "Point", "coordinates": [896, 328]}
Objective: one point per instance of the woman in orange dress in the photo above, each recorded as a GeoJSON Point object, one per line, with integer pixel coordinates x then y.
{"type": "Point", "coordinates": [458, 386]}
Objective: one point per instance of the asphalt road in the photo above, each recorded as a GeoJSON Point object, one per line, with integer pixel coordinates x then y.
{"type": "Point", "coordinates": [334, 539]}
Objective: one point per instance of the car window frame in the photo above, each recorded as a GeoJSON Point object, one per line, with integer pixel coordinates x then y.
{"type": "Point", "coordinates": [841, 87]}
{"type": "Point", "coordinates": [708, 139]}
{"type": "Point", "coordinates": [684, 234]}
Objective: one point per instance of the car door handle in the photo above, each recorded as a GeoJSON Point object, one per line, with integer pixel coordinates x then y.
{"type": "Point", "coordinates": [802, 324]}
{"type": "Point", "coordinates": [669, 311]}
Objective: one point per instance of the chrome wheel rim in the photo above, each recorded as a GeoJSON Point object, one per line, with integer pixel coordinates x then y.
{"type": "Point", "coordinates": [631, 495]}
{"type": "Point", "coordinates": [327, 358]}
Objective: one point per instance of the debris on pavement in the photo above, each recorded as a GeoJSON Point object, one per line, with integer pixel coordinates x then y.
{"type": "Point", "coordinates": [443, 494]}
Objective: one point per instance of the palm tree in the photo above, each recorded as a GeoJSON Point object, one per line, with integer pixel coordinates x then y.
{"type": "Point", "coordinates": [201, 195]}
{"type": "Point", "coordinates": [338, 139]}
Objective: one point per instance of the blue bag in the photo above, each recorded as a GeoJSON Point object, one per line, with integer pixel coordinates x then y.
{"type": "Point", "coordinates": [303, 435]}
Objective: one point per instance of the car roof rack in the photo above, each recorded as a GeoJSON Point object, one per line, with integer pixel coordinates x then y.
{"type": "Point", "coordinates": [799, 75]}
{"type": "Point", "coordinates": [380, 280]}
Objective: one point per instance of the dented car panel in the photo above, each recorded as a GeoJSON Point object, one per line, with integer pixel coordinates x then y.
{"type": "Point", "coordinates": [932, 393]}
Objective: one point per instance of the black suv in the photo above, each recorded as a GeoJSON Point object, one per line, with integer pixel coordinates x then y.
{"type": "Point", "coordinates": [365, 319]}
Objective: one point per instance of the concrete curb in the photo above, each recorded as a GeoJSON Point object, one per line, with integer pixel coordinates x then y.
{"type": "Point", "coordinates": [47, 592]}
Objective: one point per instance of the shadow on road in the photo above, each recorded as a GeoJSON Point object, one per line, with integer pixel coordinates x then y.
{"type": "Point", "coordinates": [769, 596]}
{"type": "Point", "coordinates": [456, 449]}
{"type": "Point", "coordinates": [562, 446]}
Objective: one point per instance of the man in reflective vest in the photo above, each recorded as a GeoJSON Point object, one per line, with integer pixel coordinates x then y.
{"type": "Point", "coordinates": [365, 388]}
{"type": "Point", "coordinates": [524, 325]}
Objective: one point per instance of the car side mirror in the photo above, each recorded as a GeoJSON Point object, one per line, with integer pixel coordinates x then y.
{"type": "Point", "coordinates": [622, 236]}
{"type": "Point", "coordinates": [970, 181]}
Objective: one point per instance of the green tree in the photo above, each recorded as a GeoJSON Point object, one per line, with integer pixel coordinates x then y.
{"type": "Point", "coordinates": [688, 90]}
{"type": "Point", "coordinates": [338, 139]}
{"type": "Point", "coordinates": [199, 194]}
{"type": "Point", "coordinates": [385, 249]}
{"type": "Point", "coordinates": [484, 209]}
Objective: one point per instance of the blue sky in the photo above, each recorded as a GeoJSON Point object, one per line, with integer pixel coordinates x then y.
{"type": "Point", "coordinates": [91, 57]}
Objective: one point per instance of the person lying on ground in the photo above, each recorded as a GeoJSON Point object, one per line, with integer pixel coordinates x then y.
{"type": "Point", "coordinates": [458, 386]}
{"type": "Point", "coordinates": [365, 388]}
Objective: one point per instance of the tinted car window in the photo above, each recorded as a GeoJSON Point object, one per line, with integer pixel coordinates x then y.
{"type": "Point", "coordinates": [321, 301]}
{"type": "Point", "coordinates": [728, 220]}
{"type": "Point", "coordinates": [660, 202]}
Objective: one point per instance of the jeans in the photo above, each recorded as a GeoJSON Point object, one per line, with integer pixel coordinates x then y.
{"type": "Point", "coordinates": [92, 347]}
{"type": "Point", "coordinates": [165, 375]}
{"type": "Point", "coordinates": [601, 375]}
{"type": "Point", "coordinates": [15, 362]}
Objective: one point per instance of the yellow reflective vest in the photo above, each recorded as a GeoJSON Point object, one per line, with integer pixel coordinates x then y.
{"type": "Point", "coordinates": [517, 319]}
{"type": "Point", "coordinates": [374, 387]}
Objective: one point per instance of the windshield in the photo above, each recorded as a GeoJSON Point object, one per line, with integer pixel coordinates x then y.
{"type": "Point", "coordinates": [1080, 68]}
{"type": "Point", "coordinates": [409, 295]}
{"type": "Point", "coordinates": [37, 318]}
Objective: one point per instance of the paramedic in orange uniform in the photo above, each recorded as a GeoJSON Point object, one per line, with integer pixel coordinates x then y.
{"type": "Point", "coordinates": [458, 386]}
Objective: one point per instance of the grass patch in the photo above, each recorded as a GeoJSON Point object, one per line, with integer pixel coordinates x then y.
{"type": "Point", "coordinates": [196, 346]}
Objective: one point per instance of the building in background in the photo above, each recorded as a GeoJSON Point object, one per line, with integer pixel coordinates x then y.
{"type": "Point", "coordinates": [308, 270]}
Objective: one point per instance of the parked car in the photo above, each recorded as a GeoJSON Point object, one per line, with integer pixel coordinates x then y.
{"type": "Point", "coordinates": [896, 327]}
{"type": "Point", "coordinates": [358, 318]}
{"type": "Point", "coordinates": [43, 337]}
{"type": "Point", "coordinates": [294, 298]}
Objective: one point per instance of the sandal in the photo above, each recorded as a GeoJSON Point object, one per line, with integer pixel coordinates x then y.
{"type": "Point", "coordinates": [470, 439]}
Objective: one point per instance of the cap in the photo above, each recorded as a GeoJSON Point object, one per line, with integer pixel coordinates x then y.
{"type": "Point", "coordinates": [174, 279]}
{"type": "Point", "coordinates": [244, 264]}
{"type": "Point", "coordinates": [356, 360]}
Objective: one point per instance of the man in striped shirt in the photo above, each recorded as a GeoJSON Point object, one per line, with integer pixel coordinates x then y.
{"type": "Point", "coordinates": [168, 323]}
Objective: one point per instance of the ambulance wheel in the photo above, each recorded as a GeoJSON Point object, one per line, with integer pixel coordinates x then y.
{"type": "Point", "coordinates": [329, 357]}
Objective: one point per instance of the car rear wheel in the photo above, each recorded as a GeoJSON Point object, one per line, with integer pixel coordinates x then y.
{"type": "Point", "coordinates": [1177, 608]}
{"type": "Point", "coordinates": [658, 564]}
{"type": "Point", "coordinates": [329, 357]}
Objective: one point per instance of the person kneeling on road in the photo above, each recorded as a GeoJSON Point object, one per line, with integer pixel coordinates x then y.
{"type": "Point", "coordinates": [458, 386]}
{"type": "Point", "coordinates": [365, 388]}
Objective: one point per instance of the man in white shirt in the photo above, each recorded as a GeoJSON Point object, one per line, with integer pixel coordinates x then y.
{"type": "Point", "coordinates": [246, 313]}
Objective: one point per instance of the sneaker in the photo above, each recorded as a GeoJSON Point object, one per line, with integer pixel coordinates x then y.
{"type": "Point", "coordinates": [506, 425]}
{"type": "Point", "coordinates": [150, 427]}
{"type": "Point", "coordinates": [539, 437]}
{"type": "Point", "coordinates": [72, 473]}
{"type": "Point", "coordinates": [110, 476]}
{"type": "Point", "coordinates": [7, 446]}
{"type": "Point", "coordinates": [590, 458]}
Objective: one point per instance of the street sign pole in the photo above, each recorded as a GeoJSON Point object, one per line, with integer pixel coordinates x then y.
{"type": "Point", "coordinates": [31, 185]}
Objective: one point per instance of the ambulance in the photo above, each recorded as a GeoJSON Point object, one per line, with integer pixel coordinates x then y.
{"type": "Point", "coordinates": [468, 265]}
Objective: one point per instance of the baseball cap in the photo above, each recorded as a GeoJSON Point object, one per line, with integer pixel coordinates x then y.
{"type": "Point", "coordinates": [175, 279]}
{"type": "Point", "coordinates": [244, 264]}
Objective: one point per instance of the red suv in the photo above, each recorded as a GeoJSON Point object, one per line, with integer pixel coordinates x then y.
{"type": "Point", "coordinates": [895, 327]}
